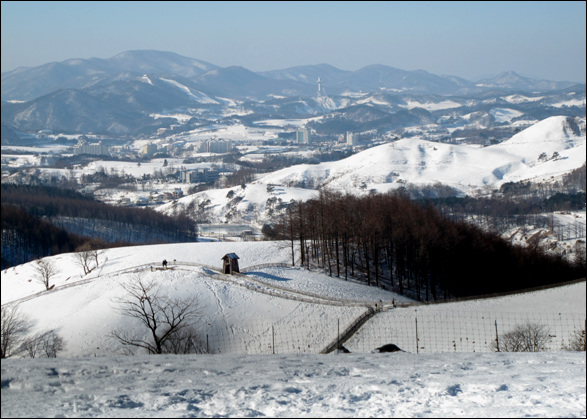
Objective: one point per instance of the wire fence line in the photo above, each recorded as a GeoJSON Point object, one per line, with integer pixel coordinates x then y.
{"type": "Point", "coordinates": [410, 330]}
{"type": "Point", "coordinates": [447, 331]}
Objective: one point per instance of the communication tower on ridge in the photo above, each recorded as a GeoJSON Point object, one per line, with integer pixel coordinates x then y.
{"type": "Point", "coordinates": [322, 98]}
{"type": "Point", "coordinates": [319, 87]}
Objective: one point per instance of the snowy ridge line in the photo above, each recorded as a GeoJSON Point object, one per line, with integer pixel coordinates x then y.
{"type": "Point", "coordinates": [273, 290]}
{"type": "Point", "coordinates": [494, 295]}
{"type": "Point", "coordinates": [137, 268]}
{"type": "Point", "coordinates": [322, 299]}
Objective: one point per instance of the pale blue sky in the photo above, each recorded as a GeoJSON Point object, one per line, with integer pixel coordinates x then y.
{"type": "Point", "coordinates": [466, 39]}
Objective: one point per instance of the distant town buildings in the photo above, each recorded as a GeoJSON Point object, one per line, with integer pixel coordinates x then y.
{"type": "Point", "coordinates": [200, 175]}
{"type": "Point", "coordinates": [97, 149]}
{"type": "Point", "coordinates": [351, 139]}
{"type": "Point", "coordinates": [177, 193]}
{"type": "Point", "coordinates": [303, 136]}
{"type": "Point", "coordinates": [149, 149]}
{"type": "Point", "coordinates": [216, 146]}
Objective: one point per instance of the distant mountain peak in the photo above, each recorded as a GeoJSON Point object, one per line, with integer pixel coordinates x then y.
{"type": "Point", "coordinates": [512, 80]}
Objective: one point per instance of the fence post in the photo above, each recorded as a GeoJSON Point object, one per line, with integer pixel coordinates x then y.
{"type": "Point", "coordinates": [496, 336]}
{"type": "Point", "coordinates": [338, 336]}
{"type": "Point", "coordinates": [273, 338]}
{"type": "Point", "coordinates": [417, 343]}
{"type": "Point", "coordinates": [207, 345]}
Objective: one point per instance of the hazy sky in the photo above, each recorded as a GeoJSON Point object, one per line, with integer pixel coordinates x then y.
{"type": "Point", "coordinates": [466, 39]}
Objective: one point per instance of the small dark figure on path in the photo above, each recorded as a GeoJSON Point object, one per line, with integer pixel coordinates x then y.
{"type": "Point", "coordinates": [165, 263]}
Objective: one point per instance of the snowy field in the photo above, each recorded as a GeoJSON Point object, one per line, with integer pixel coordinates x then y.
{"type": "Point", "coordinates": [501, 385]}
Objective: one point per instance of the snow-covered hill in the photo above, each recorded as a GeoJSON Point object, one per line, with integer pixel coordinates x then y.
{"type": "Point", "coordinates": [82, 308]}
{"type": "Point", "coordinates": [551, 147]}
{"type": "Point", "coordinates": [238, 313]}
{"type": "Point", "coordinates": [283, 310]}
{"type": "Point", "coordinates": [255, 204]}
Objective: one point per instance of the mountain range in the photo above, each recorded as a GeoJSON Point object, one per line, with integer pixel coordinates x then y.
{"type": "Point", "coordinates": [118, 96]}
{"type": "Point", "coordinates": [30, 83]}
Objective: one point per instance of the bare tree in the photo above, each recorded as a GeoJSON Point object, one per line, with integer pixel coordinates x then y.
{"type": "Point", "coordinates": [85, 255]}
{"type": "Point", "coordinates": [95, 246]}
{"type": "Point", "coordinates": [166, 319]}
{"type": "Point", "coordinates": [45, 270]}
{"type": "Point", "coordinates": [30, 347]}
{"type": "Point", "coordinates": [15, 327]}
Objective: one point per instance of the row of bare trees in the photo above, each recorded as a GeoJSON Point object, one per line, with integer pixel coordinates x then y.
{"type": "Point", "coordinates": [393, 242]}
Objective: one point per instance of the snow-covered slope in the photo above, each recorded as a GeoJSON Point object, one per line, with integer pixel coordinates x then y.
{"type": "Point", "coordinates": [237, 312]}
{"type": "Point", "coordinates": [549, 148]}
{"type": "Point", "coordinates": [276, 309]}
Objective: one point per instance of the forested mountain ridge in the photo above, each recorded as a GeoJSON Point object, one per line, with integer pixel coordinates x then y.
{"type": "Point", "coordinates": [39, 221]}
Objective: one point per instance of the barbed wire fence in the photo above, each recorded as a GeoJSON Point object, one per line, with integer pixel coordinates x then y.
{"type": "Point", "coordinates": [411, 330]}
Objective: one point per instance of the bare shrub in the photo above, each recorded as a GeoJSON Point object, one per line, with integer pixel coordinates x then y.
{"type": "Point", "coordinates": [185, 341]}
{"type": "Point", "coordinates": [30, 347]}
{"type": "Point", "coordinates": [47, 344]}
{"type": "Point", "coordinates": [528, 337]}
{"type": "Point", "coordinates": [576, 342]}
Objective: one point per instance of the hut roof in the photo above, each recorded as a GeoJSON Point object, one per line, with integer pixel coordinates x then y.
{"type": "Point", "coordinates": [230, 255]}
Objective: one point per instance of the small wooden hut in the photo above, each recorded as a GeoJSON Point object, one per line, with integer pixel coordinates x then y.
{"type": "Point", "coordinates": [230, 263]}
